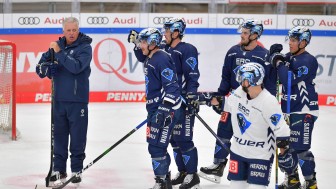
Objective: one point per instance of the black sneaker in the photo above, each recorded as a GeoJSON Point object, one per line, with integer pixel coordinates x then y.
{"type": "Point", "coordinates": [179, 178]}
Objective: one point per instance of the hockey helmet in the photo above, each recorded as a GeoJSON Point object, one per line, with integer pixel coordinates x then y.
{"type": "Point", "coordinates": [253, 72]}
{"type": "Point", "coordinates": [174, 24]}
{"type": "Point", "coordinates": [300, 33]}
{"type": "Point", "coordinates": [255, 26]}
{"type": "Point", "coordinates": [152, 36]}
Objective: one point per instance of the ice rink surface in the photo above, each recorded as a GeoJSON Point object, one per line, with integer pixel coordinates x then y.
{"type": "Point", "coordinates": [25, 162]}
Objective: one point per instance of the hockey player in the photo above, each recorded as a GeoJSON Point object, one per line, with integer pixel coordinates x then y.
{"type": "Point", "coordinates": [257, 121]}
{"type": "Point", "coordinates": [185, 57]}
{"type": "Point", "coordinates": [247, 51]}
{"type": "Point", "coordinates": [304, 108]}
{"type": "Point", "coordinates": [163, 102]}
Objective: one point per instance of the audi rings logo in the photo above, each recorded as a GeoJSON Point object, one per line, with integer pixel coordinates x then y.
{"type": "Point", "coordinates": [97, 20]}
{"type": "Point", "coordinates": [303, 22]}
{"type": "Point", "coordinates": [29, 20]}
{"type": "Point", "coordinates": [232, 21]}
{"type": "Point", "coordinates": [160, 20]}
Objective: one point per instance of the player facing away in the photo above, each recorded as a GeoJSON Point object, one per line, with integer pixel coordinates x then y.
{"type": "Point", "coordinates": [185, 57]}
{"type": "Point", "coordinates": [70, 74]}
{"type": "Point", "coordinates": [258, 126]}
{"type": "Point", "coordinates": [163, 103]}
{"type": "Point", "coordinates": [304, 108]}
{"type": "Point", "coordinates": [246, 51]}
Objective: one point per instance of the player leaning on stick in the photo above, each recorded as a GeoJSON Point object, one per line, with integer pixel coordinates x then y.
{"type": "Point", "coordinates": [185, 57]}
{"type": "Point", "coordinates": [246, 51]}
{"type": "Point", "coordinates": [163, 102]}
{"type": "Point", "coordinates": [73, 53]}
{"type": "Point", "coordinates": [304, 108]}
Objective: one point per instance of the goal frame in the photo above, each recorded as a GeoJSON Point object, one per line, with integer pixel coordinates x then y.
{"type": "Point", "coordinates": [8, 43]}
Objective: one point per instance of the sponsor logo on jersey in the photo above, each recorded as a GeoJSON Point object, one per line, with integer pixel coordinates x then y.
{"type": "Point", "coordinates": [245, 142]}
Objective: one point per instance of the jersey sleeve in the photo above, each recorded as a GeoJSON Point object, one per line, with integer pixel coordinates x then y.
{"type": "Point", "coordinates": [138, 54]}
{"type": "Point", "coordinates": [190, 68]}
{"type": "Point", "coordinates": [275, 119]}
{"type": "Point", "coordinates": [169, 80]}
{"type": "Point", "coordinates": [225, 84]}
{"type": "Point", "coordinates": [301, 70]}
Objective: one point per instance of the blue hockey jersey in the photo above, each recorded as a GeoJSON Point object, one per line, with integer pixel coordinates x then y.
{"type": "Point", "coordinates": [161, 81]}
{"type": "Point", "coordinates": [303, 98]}
{"type": "Point", "coordinates": [235, 57]}
{"type": "Point", "coordinates": [185, 57]}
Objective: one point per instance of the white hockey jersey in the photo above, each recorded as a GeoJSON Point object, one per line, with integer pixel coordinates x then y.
{"type": "Point", "coordinates": [256, 123]}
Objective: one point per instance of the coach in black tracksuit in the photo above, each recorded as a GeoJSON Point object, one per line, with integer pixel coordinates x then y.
{"type": "Point", "coordinates": [73, 53]}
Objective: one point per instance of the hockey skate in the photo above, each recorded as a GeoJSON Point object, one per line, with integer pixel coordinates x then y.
{"type": "Point", "coordinates": [191, 181]}
{"type": "Point", "coordinates": [291, 182]}
{"type": "Point", "coordinates": [179, 178]}
{"type": "Point", "coordinates": [310, 184]}
{"type": "Point", "coordinates": [77, 180]}
{"type": "Point", "coordinates": [161, 183]}
{"type": "Point", "coordinates": [57, 178]}
{"type": "Point", "coordinates": [213, 172]}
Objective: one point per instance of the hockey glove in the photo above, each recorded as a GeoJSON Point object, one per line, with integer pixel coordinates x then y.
{"type": "Point", "coordinates": [288, 161]}
{"type": "Point", "coordinates": [165, 114]}
{"type": "Point", "coordinates": [275, 48]}
{"type": "Point", "coordinates": [48, 69]}
{"type": "Point", "coordinates": [194, 100]}
{"type": "Point", "coordinates": [133, 37]}
{"type": "Point", "coordinates": [282, 143]}
{"type": "Point", "coordinates": [219, 108]}
{"type": "Point", "coordinates": [276, 59]}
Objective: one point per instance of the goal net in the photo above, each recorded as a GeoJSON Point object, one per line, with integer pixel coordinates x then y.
{"type": "Point", "coordinates": [7, 88]}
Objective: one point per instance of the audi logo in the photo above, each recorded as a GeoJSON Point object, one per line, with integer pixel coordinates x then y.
{"type": "Point", "coordinates": [303, 22]}
{"type": "Point", "coordinates": [29, 20]}
{"type": "Point", "coordinates": [233, 21]}
{"type": "Point", "coordinates": [97, 20]}
{"type": "Point", "coordinates": [160, 20]}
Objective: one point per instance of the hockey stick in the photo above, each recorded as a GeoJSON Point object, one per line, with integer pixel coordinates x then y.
{"type": "Point", "coordinates": [289, 87]}
{"type": "Point", "coordinates": [99, 157]}
{"type": "Point", "coordinates": [209, 129]}
{"type": "Point", "coordinates": [52, 57]}
{"type": "Point", "coordinates": [277, 150]}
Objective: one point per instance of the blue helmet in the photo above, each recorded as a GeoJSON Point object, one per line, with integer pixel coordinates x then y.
{"type": "Point", "coordinates": [300, 33]}
{"type": "Point", "coordinates": [255, 26]}
{"type": "Point", "coordinates": [174, 24]}
{"type": "Point", "coordinates": [253, 72]}
{"type": "Point", "coordinates": [153, 36]}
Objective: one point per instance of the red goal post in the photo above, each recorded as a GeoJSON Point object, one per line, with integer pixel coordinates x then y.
{"type": "Point", "coordinates": [8, 88]}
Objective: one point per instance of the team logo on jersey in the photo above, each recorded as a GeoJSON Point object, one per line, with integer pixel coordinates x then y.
{"type": "Point", "coordinates": [275, 118]}
{"type": "Point", "coordinates": [168, 73]}
{"type": "Point", "coordinates": [303, 70]}
{"type": "Point", "coordinates": [243, 123]}
{"type": "Point", "coordinates": [192, 62]}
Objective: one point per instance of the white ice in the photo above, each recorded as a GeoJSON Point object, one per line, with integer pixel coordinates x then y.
{"type": "Point", "coordinates": [25, 162]}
